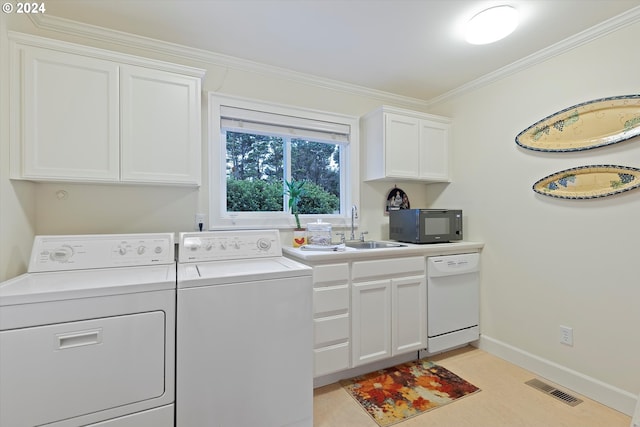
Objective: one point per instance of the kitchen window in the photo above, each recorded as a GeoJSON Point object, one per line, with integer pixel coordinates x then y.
{"type": "Point", "coordinates": [256, 146]}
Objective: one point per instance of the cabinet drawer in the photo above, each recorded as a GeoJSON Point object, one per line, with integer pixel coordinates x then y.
{"type": "Point", "coordinates": [330, 299]}
{"type": "Point", "coordinates": [411, 266]}
{"type": "Point", "coordinates": [330, 330]}
{"type": "Point", "coordinates": [325, 275]}
{"type": "Point", "coordinates": [331, 359]}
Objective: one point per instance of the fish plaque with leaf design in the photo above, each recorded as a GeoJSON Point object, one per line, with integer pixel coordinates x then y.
{"type": "Point", "coordinates": [589, 182]}
{"type": "Point", "coordinates": [592, 124]}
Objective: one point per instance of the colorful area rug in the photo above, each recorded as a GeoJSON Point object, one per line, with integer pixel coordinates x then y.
{"type": "Point", "coordinates": [395, 394]}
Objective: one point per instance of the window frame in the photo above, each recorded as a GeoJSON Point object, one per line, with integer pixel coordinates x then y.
{"type": "Point", "coordinates": [219, 218]}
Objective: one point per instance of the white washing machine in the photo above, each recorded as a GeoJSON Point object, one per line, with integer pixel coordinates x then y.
{"type": "Point", "coordinates": [87, 336]}
{"type": "Point", "coordinates": [244, 332]}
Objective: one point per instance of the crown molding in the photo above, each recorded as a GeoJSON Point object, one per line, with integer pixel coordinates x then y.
{"type": "Point", "coordinates": [606, 27]}
{"type": "Point", "coordinates": [101, 34]}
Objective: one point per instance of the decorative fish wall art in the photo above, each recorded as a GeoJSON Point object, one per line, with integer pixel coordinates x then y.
{"type": "Point", "coordinates": [589, 182]}
{"type": "Point", "coordinates": [585, 126]}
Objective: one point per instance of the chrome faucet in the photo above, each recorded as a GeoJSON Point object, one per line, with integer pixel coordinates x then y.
{"type": "Point", "coordinates": [354, 215]}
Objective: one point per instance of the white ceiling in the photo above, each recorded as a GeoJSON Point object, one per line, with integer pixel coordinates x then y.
{"type": "Point", "coordinates": [413, 48]}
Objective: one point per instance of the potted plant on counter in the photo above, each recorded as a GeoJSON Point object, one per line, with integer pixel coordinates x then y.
{"type": "Point", "coordinates": [295, 190]}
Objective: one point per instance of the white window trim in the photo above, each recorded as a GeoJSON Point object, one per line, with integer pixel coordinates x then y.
{"type": "Point", "coordinates": [220, 219]}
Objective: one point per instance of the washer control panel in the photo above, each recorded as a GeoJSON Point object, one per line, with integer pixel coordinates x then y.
{"type": "Point", "coordinates": [79, 252]}
{"type": "Point", "coordinates": [225, 245]}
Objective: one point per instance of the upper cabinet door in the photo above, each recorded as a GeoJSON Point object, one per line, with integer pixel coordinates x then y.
{"type": "Point", "coordinates": [434, 150]}
{"type": "Point", "coordinates": [160, 119]}
{"type": "Point", "coordinates": [70, 117]}
{"type": "Point", "coordinates": [402, 137]}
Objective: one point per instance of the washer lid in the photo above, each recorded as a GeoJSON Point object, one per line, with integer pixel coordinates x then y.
{"type": "Point", "coordinates": [64, 285]}
{"type": "Point", "coordinates": [247, 270]}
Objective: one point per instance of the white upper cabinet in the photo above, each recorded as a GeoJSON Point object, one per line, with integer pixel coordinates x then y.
{"type": "Point", "coordinates": [406, 145]}
{"type": "Point", "coordinates": [70, 125]}
{"type": "Point", "coordinates": [88, 115]}
{"type": "Point", "coordinates": [160, 126]}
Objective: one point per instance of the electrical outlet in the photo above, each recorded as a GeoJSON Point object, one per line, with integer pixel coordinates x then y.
{"type": "Point", "coordinates": [199, 220]}
{"type": "Point", "coordinates": [566, 335]}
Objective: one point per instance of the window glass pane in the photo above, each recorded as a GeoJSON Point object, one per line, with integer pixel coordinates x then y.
{"type": "Point", "coordinates": [254, 170]}
{"type": "Point", "coordinates": [318, 164]}
{"type": "Point", "coordinates": [255, 146]}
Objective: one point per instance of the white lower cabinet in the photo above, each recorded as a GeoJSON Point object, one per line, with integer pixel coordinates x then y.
{"type": "Point", "coordinates": [331, 318]}
{"type": "Point", "coordinates": [368, 310]}
{"type": "Point", "coordinates": [371, 310]}
{"type": "Point", "coordinates": [388, 308]}
{"type": "Point", "coordinates": [368, 307]}
{"type": "Point", "coordinates": [408, 314]}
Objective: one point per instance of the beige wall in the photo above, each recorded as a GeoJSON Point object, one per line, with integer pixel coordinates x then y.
{"type": "Point", "coordinates": [546, 262]}
{"type": "Point", "coordinates": [550, 262]}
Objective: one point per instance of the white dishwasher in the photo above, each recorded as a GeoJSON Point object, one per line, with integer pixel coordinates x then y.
{"type": "Point", "coordinates": [453, 300]}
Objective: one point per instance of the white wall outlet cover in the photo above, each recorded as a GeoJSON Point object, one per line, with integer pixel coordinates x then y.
{"type": "Point", "coordinates": [566, 335]}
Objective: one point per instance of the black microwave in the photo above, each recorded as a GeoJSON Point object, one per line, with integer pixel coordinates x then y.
{"type": "Point", "coordinates": [425, 225]}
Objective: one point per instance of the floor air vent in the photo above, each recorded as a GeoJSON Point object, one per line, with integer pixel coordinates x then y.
{"type": "Point", "coordinates": [552, 391]}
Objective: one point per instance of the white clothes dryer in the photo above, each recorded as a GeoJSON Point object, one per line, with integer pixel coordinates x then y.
{"type": "Point", "coordinates": [244, 332]}
{"type": "Point", "coordinates": [87, 335]}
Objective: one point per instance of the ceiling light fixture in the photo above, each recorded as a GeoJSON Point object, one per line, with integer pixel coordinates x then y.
{"type": "Point", "coordinates": [491, 25]}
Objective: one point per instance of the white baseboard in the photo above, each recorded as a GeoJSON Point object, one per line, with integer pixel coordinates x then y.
{"type": "Point", "coordinates": [635, 420]}
{"type": "Point", "coordinates": [585, 385]}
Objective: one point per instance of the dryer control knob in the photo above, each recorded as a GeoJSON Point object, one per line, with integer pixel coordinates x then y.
{"type": "Point", "coordinates": [263, 244]}
{"type": "Point", "coordinates": [61, 254]}
{"type": "Point", "coordinates": [141, 250]}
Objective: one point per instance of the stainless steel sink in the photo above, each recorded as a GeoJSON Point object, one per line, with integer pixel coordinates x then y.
{"type": "Point", "coordinates": [372, 244]}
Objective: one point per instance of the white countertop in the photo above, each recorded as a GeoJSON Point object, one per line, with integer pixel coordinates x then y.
{"type": "Point", "coordinates": [410, 249]}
